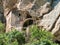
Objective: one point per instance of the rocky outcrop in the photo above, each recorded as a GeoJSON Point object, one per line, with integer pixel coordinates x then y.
{"type": "Point", "coordinates": [35, 10]}
{"type": "Point", "coordinates": [49, 20]}
{"type": "Point", "coordinates": [21, 14]}
{"type": "Point", "coordinates": [23, 8]}
{"type": "Point", "coordinates": [24, 13]}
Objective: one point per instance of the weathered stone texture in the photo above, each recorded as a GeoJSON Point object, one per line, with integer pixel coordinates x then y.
{"type": "Point", "coordinates": [28, 12]}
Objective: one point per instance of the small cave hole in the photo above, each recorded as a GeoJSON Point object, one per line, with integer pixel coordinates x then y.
{"type": "Point", "coordinates": [27, 23]}
{"type": "Point", "coordinates": [19, 14]}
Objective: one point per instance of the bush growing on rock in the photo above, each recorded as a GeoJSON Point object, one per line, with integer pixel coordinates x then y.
{"type": "Point", "coordinates": [40, 37]}
{"type": "Point", "coordinates": [2, 27]}
{"type": "Point", "coordinates": [12, 38]}
{"type": "Point", "coordinates": [37, 37]}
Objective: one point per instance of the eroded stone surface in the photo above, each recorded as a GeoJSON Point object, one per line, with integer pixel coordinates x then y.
{"type": "Point", "coordinates": [49, 20]}
{"type": "Point", "coordinates": [57, 26]}
{"type": "Point", "coordinates": [34, 9]}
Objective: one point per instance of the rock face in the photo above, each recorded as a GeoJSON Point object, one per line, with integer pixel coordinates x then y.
{"type": "Point", "coordinates": [20, 11]}
{"type": "Point", "coordinates": [27, 12]}
{"type": "Point", "coordinates": [23, 13]}
{"type": "Point", "coordinates": [51, 18]}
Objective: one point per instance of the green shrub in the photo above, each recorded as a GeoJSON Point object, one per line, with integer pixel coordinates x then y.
{"type": "Point", "coordinates": [6, 40]}
{"type": "Point", "coordinates": [17, 35]}
{"type": "Point", "coordinates": [37, 33]}
{"type": "Point", "coordinates": [12, 38]}
{"type": "Point", "coordinates": [40, 37]}
{"type": "Point", "coordinates": [37, 37]}
{"type": "Point", "coordinates": [2, 27]}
